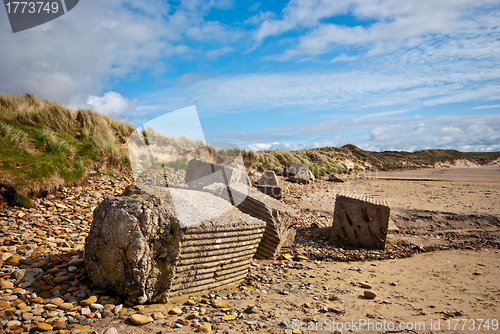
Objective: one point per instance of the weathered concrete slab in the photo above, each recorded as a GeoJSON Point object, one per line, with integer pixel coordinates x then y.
{"type": "Point", "coordinates": [278, 217]}
{"type": "Point", "coordinates": [268, 184]}
{"type": "Point", "coordinates": [293, 168]}
{"type": "Point", "coordinates": [360, 221]}
{"type": "Point", "coordinates": [335, 178]}
{"type": "Point", "coordinates": [142, 248]}
{"type": "Point", "coordinates": [200, 174]}
{"type": "Point", "coordinates": [269, 178]}
{"type": "Point", "coordinates": [304, 176]}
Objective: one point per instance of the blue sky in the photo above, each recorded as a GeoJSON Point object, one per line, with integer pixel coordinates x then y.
{"type": "Point", "coordinates": [380, 74]}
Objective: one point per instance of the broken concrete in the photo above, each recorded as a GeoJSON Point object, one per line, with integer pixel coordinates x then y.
{"type": "Point", "coordinates": [360, 221]}
{"type": "Point", "coordinates": [268, 184]}
{"type": "Point", "coordinates": [148, 249]}
{"type": "Point", "coordinates": [335, 178]}
{"type": "Point", "coordinates": [293, 168]}
{"type": "Point", "coordinates": [200, 174]}
{"type": "Point", "coordinates": [304, 176]}
{"type": "Point", "coordinates": [278, 217]}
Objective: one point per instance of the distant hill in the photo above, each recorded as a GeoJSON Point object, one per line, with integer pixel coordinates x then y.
{"type": "Point", "coordinates": [349, 158]}
{"type": "Point", "coordinates": [44, 146]}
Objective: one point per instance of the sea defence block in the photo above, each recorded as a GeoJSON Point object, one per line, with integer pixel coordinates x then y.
{"type": "Point", "coordinates": [278, 217]}
{"type": "Point", "coordinates": [141, 247]}
{"type": "Point", "coordinates": [268, 184]}
{"type": "Point", "coordinates": [360, 221]}
{"type": "Point", "coordinates": [298, 173]}
{"type": "Point", "coordinates": [201, 173]}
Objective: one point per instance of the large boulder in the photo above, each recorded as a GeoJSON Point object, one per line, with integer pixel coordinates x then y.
{"type": "Point", "coordinates": [279, 218]}
{"type": "Point", "coordinates": [360, 221]}
{"type": "Point", "coordinates": [149, 245]}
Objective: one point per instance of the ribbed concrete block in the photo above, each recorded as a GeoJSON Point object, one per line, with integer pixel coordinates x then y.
{"type": "Point", "coordinates": [360, 221]}
{"type": "Point", "coordinates": [278, 217]}
{"type": "Point", "coordinates": [149, 245]}
{"type": "Point", "coordinates": [200, 174]}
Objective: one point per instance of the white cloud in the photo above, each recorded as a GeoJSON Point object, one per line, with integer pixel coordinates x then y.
{"type": "Point", "coordinates": [214, 54]}
{"type": "Point", "coordinates": [393, 24]}
{"type": "Point", "coordinates": [487, 107]}
{"type": "Point", "coordinates": [78, 54]}
{"type": "Point", "coordinates": [190, 78]}
{"type": "Point", "coordinates": [111, 104]}
{"type": "Point", "coordinates": [344, 58]}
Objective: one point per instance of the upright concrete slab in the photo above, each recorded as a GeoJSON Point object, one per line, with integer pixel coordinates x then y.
{"type": "Point", "coordinates": [268, 184]}
{"type": "Point", "coordinates": [278, 217]}
{"type": "Point", "coordinates": [148, 249]}
{"type": "Point", "coordinates": [360, 221]}
{"type": "Point", "coordinates": [200, 174]}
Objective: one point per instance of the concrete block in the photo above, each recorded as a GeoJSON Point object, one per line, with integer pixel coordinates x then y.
{"type": "Point", "coordinates": [200, 174]}
{"type": "Point", "coordinates": [278, 217]}
{"type": "Point", "coordinates": [147, 247]}
{"type": "Point", "coordinates": [360, 221]}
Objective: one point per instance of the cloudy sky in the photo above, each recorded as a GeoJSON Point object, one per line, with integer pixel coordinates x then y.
{"type": "Point", "coordinates": [380, 74]}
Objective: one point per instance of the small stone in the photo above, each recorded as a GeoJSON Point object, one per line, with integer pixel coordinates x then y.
{"type": "Point", "coordinates": [43, 327]}
{"type": "Point", "coordinates": [27, 316]}
{"type": "Point", "coordinates": [13, 260]}
{"type": "Point", "coordinates": [57, 301]}
{"type": "Point", "coordinates": [365, 286]}
{"type": "Point", "coordinates": [60, 279]}
{"type": "Point", "coordinates": [96, 306]}
{"type": "Point", "coordinates": [176, 310]}
{"type": "Point", "coordinates": [228, 317]}
{"type": "Point", "coordinates": [13, 323]}
{"type": "Point", "coordinates": [88, 301]}
{"type": "Point", "coordinates": [394, 283]}
{"type": "Point", "coordinates": [158, 315]}
{"type": "Point", "coordinates": [140, 319]}
{"type": "Point", "coordinates": [219, 303]}
{"type": "Point", "coordinates": [205, 328]}
{"type": "Point", "coordinates": [76, 262]}
{"type": "Point", "coordinates": [300, 258]}
{"type": "Point", "coordinates": [190, 302]}
{"type": "Point", "coordinates": [65, 306]}
{"type": "Point", "coordinates": [79, 327]}
{"type": "Point", "coordinates": [58, 324]}
{"type": "Point", "coordinates": [370, 294]}
{"type": "Point", "coordinates": [111, 330]}
{"type": "Point", "coordinates": [296, 331]}
{"type": "Point", "coordinates": [4, 304]}
{"type": "Point", "coordinates": [6, 285]}
{"type": "Point", "coordinates": [107, 314]}
{"type": "Point", "coordinates": [286, 257]}
{"type": "Point", "coordinates": [284, 292]}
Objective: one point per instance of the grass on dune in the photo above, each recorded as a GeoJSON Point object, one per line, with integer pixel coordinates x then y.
{"type": "Point", "coordinates": [44, 145]}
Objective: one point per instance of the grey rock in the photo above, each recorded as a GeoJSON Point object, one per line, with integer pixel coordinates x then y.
{"type": "Point", "coordinates": [335, 178]}
{"type": "Point", "coordinates": [30, 275]}
{"type": "Point", "coordinates": [111, 330]}
{"type": "Point", "coordinates": [304, 176]}
{"type": "Point", "coordinates": [359, 221]}
{"type": "Point", "coordinates": [149, 245]}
